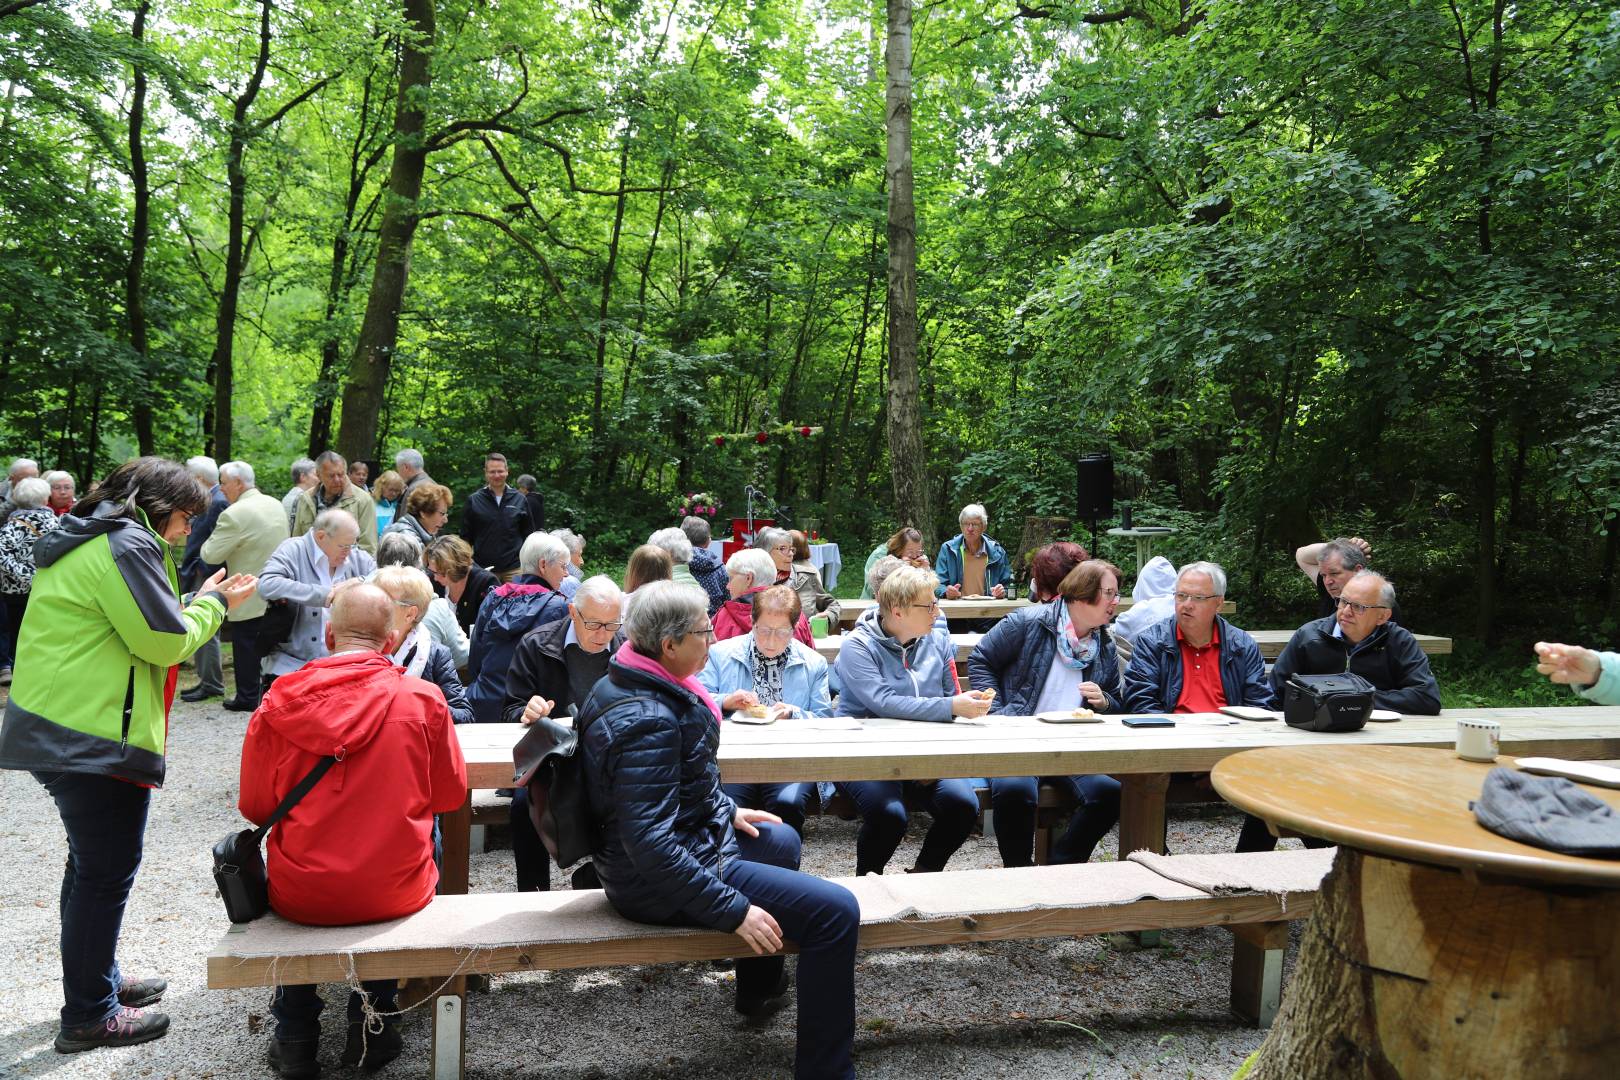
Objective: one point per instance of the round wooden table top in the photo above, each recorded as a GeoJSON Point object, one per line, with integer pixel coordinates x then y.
{"type": "Point", "coordinates": [1403, 802]}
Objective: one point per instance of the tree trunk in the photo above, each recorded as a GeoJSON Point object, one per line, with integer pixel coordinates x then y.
{"type": "Point", "coordinates": [379, 331]}
{"type": "Point", "coordinates": [221, 365]}
{"type": "Point", "coordinates": [604, 467]}
{"type": "Point", "coordinates": [1411, 970]}
{"type": "Point", "coordinates": [140, 228]}
{"type": "Point", "coordinates": [907, 463]}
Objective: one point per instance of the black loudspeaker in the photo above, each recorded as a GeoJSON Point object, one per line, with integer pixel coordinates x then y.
{"type": "Point", "coordinates": [1094, 487]}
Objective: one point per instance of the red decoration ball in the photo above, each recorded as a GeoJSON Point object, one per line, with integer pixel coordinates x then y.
{"type": "Point", "coordinates": [719, 440]}
{"type": "Point", "coordinates": [761, 437]}
{"type": "Point", "coordinates": [805, 431]}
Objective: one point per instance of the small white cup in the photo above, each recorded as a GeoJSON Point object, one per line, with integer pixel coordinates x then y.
{"type": "Point", "coordinates": [1477, 740]}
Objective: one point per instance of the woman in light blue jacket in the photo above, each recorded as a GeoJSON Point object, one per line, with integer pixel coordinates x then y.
{"type": "Point", "coordinates": [898, 663]}
{"type": "Point", "coordinates": [767, 668]}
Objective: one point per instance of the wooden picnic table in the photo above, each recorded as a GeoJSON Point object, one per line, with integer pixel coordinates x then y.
{"type": "Point", "coordinates": [1143, 759]}
{"type": "Point", "coordinates": [1439, 947]}
{"type": "Point", "coordinates": [850, 610]}
{"type": "Point", "coordinates": [1271, 644]}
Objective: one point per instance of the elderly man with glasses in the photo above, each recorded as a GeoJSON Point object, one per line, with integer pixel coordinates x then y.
{"type": "Point", "coordinates": [551, 674]}
{"type": "Point", "coordinates": [1364, 639]}
{"type": "Point", "coordinates": [1196, 661]}
{"type": "Point", "coordinates": [305, 572]}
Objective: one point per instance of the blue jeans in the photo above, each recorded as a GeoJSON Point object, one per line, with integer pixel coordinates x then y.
{"type": "Point", "coordinates": [297, 1009]}
{"type": "Point", "coordinates": [824, 921]}
{"type": "Point", "coordinates": [954, 805]}
{"type": "Point", "coordinates": [1013, 798]}
{"type": "Point", "coordinates": [105, 821]}
{"type": "Point", "coordinates": [787, 801]}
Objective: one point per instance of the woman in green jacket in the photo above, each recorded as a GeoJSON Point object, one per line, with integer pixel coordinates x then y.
{"type": "Point", "coordinates": [95, 673]}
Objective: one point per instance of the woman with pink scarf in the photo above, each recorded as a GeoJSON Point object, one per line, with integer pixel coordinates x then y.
{"type": "Point", "coordinates": [673, 849]}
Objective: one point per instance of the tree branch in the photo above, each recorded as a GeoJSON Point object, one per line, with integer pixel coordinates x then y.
{"type": "Point", "coordinates": [16, 6]}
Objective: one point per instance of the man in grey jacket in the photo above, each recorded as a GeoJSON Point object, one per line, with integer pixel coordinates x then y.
{"type": "Point", "coordinates": [305, 572]}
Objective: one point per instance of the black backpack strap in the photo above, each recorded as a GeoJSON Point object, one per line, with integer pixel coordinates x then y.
{"type": "Point", "coordinates": [310, 779]}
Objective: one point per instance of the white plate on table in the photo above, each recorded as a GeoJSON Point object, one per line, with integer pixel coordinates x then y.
{"type": "Point", "coordinates": [1582, 772]}
{"type": "Point", "coordinates": [1383, 716]}
{"type": "Point", "coordinates": [1065, 716]}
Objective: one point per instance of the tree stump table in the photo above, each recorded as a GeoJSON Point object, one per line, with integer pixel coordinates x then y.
{"type": "Point", "coordinates": [1437, 949]}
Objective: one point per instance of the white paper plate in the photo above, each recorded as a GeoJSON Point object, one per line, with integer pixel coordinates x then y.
{"type": "Point", "coordinates": [1064, 716]}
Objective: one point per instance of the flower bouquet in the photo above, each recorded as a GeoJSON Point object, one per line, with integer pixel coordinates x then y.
{"type": "Point", "coordinates": [695, 504]}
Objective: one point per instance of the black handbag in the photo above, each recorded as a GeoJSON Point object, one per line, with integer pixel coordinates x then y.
{"type": "Point", "coordinates": [546, 761]}
{"type": "Point", "coordinates": [1327, 702]}
{"type": "Point", "coordinates": [239, 864]}
{"type": "Point", "coordinates": [275, 626]}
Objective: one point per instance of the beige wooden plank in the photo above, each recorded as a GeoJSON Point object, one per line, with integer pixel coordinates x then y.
{"type": "Point", "coordinates": [226, 971]}
{"type": "Point", "coordinates": [1271, 644]}
{"type": "Point", "coordinates": [850, 610]}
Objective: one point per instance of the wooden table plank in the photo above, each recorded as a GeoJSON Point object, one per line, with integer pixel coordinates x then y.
{"type": "Point", "coordinates": [976, 609]}
{"type": "Point", "coordinates": [1271, 644]}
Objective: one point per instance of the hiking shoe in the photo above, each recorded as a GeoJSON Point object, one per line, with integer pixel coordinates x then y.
{"type": "Point", "coordinates": [138, 993]}
{"type": "Point", "coordinates": [372, 1049]}
{"type": "Point", "coordinates": [763, 1008]}
{"type": "Point", "coordinates": [125, 1027]}
{"type": "Point", "coordinates": [295, 1058]}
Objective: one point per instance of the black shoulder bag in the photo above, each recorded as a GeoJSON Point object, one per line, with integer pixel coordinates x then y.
{"type": "Point", "coordinates": [239, 864]}
{"type": "Point", "coordinates": [1327, 702]}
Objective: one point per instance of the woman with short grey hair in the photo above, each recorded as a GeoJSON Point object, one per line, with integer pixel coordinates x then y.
{"type": "Point", "coordinates": [576, 551]}
{"type": "Point", "coordinates": [529, 601]}
{"type": "Point", "coordinates": [680, 550]}
{"type": "Point", "coordinates": [778, 544]}
{"type": "Point", "coordinates": [748, 571]}
{"type": "Point", "coordinates": [672, 849]}
{"type": "Point", "coordinates": [30, 520]}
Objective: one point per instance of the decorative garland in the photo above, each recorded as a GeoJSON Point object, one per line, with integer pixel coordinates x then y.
{"type": "Point", "coordinates": [765, 435]}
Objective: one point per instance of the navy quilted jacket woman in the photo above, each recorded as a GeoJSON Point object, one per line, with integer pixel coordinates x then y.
{"type": "Point", "coordinates": [1015, 657]}
{"type": "Point", "coordinates": [666, 827]}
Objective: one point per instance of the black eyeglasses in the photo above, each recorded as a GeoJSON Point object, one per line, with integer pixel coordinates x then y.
{"type": "Point", "coordinates": [594, 625]}
{"type": "Point", "coordinates": [1360, 609]}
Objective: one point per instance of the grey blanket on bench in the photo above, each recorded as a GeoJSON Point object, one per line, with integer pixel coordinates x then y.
{"type": "Point", "coordinates": [1276, 872]}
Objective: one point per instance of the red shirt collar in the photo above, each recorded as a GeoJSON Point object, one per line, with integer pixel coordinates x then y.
{"type": "Point", "coordinates": [1214, 635]}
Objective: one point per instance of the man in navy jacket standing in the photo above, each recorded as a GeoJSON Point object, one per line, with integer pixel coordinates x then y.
{"type": "Point", "coordinates": [497, 520]}
{"type": "Point", "coordinates": [1197, 661]}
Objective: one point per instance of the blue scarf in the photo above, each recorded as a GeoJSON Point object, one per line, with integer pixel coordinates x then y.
{"type": "Point", "coordinates": [1075, 651]}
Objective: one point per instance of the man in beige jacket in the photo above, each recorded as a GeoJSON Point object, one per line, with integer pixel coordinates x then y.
{"type": "Point", "coordinates": [335, 491]}
{"type": "Point", "coordinates": [244, 537]}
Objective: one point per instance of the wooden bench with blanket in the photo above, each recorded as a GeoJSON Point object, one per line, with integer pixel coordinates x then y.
{"type": "Point", "coordinates": [1253, 895]}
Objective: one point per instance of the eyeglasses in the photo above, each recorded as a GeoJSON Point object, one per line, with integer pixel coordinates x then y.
{"type": "Point", "coordinates": [1108, 594]}
{"type": "Point", "coordinates": [1183, 597]}
{"type": "Point", "coordinates": [766, 634]}
{"type": "Point", "coordinates": [1360, 609]}
{"type": "Point", "coordinates": [594, 625]}
{"type": "Point", "coordinates": [348, 547]}
{"type": "Point", "coordinates": [785, 549]}
{"type": "Point", "coordinates": [934, 606]}
{"type": "Point", "coordinates": [707, 631]}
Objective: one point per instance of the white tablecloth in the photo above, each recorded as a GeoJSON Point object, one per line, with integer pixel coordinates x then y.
{"type": "Point", "coordinates": [825, 557]}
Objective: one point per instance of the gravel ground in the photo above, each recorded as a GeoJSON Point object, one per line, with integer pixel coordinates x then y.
{"type": "Point", "coordinates": [1055, 1008]}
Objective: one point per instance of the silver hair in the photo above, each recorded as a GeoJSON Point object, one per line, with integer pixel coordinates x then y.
{"type": "Point", "coordinates": [57, 474]}
{"type": "Point", "coordinates": [770, 537]}
{"type": "Point", "coordinates": [1386, 587]}
{"type": "Point", "coordinates": [973, 512]}
{"type": "Point", "coordinates": [326, 457]}
{"type": "Point", "coordinates": [599, 589]}
{"type": "Point", "coordinates": [302, 468]}
{"type": "Point", "coordinates": [204, 469]}
{"type": "Point", "coordinates": [881, 571]}
{"type": "Point", "coordinates": [538, 548]}
{"type": "Point", "coordinates": [663, 611]}
{"type": "Point", "coordinates": [413, 458]}
{"type": "Point", "coordinates": [333, 518]}
{"type": "Point", "coordinates": [19, 464]}
{"type": "Point", "coordinates": [754, 562]}
{"type": "Point", "coordinates": [697, 530]}
{"type": "Point", "coordinates": [1217, 576]}
{"type": "Point", "coordinates": [675, 542]}
{"type": "Point", "coordinates": [1350, 556]}
{"type": "Point", "coordinates": [399, 549]}
{"type": "Point", "coordinates": [30, 493]}
{"type": "Point", "coordinates": [238, 470]}
{"type": "Point", "coordinates": [571, 539]}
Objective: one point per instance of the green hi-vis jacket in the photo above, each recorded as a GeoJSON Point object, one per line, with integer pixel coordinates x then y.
{"type": "Point", "coordinates": [103, 627]}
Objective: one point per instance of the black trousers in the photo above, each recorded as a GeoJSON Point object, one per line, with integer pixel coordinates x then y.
{"type": "Point", "coordinates": [245, 655]}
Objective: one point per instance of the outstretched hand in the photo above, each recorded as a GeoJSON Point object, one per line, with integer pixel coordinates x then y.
{"type": "Point", "coordinates": [1569, 664]}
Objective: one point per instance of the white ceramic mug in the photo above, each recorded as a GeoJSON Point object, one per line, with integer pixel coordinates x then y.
{"type": "Point", "coordinates": [1477, 740]}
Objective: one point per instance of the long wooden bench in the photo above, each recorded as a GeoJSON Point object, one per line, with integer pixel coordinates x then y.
{"type": "Point", "coordinates": [1252, 895]}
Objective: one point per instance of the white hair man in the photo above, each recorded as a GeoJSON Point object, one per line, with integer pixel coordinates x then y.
{"type": "Point", "coordinates": [408, 463]}
{"type": "Point", "coordinates": [21, 469]}
{"type": "Point", "coordinates": [551, 674]}
{"type": "Point", "coordinates": [970, 563]}
{"type": "Point", "coordinates": [306, 571]}
{"type": "Point", "coordinates": [1196, 662]}
{"type": "Point", "coordinates": [195, 569]}
{"type": "Point", "coordinates": [247, 533]}
{"type": "Point", "coordinates": [303, 478]}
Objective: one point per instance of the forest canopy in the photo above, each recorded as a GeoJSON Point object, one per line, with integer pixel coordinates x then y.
{"type": "Point", "coordinates": [1302, 268]}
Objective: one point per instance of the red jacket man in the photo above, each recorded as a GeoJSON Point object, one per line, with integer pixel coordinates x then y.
{"type": "Point", "coordinates": [359, 847]}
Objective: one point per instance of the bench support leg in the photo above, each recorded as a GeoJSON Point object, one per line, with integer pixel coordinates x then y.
{"type": "Point", "coordinates": [456, 830]}
{"type": "Point", "coordinates": [1257, 962]}
{"type": "Point", "coordinates": [450, 1030]}
{"type": "Point", "coordinates": [1141, 824]}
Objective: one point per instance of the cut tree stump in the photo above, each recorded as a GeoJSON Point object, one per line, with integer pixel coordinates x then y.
{"type": "Point", "coordinates": [1410, 971]}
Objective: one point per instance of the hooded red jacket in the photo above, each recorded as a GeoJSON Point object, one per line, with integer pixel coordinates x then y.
{"type": "Point", "coordinates": [359, 847]}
